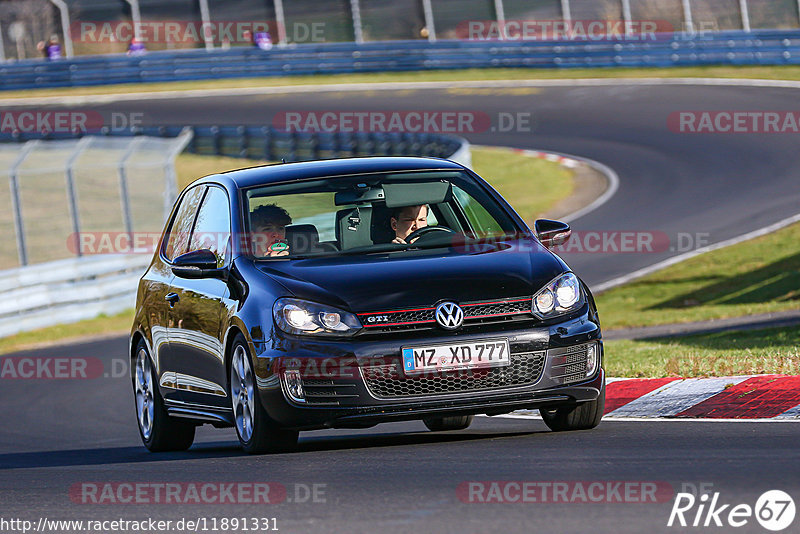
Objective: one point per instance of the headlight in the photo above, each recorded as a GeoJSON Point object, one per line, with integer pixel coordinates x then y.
{"type": "Point", "coordinates": [295, 316]}
{"type": "Point", "coordinates": [560, 296]}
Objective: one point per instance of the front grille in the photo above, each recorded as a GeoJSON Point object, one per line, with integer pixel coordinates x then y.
{"type": "Point", "coordinates": [387, 381]}
{"type": "Point", "coordinates": [426, 317]}
{"type": "Point", "coordinates": [326, 392]}
{"type": "Point", "coordinates": [569, 365]}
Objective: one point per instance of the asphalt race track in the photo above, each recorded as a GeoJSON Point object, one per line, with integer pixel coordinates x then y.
{"type": "Point", "coordinates": [398, 478]}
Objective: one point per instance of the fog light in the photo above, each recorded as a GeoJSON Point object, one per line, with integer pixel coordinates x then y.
{"type": "Point", "coordinates": [294, 385]}
{"type": "Point", "coordinates": [591, 359]}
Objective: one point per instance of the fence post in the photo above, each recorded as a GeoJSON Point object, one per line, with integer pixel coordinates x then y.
{"type": "Point", "coordinates": [566, 15]}
{"type": "Point", "coordinates": [136, 18]}
{"type": "Point", "coordinates": [355, 11]}
{"type": "Point", "coordinates": [72, 194]}
{"type": "Point", "coordinates": [124, 195]}
{"type": "Point", "coordinates": [208, 39]}
{"type": "Point", "coordinates": [500, 16]}
{"type": "Point", "coordinates": [429, 24]}
{"type": "Point", "coordinates": [62, 7]}
{"type": "Point", "coordinates": [170, 176]}
{"type": "Point", "coordinates": [2, 47]}
{"type": "Point", "coordinates": [798, 11]}
{"type": "Point", "coordinates": [627, 17]}
{"type": "Point", "coordinates": [745, 15]}
{"type": "Point", "coordinates": [280, 20]}
{"type": "Point", "coordinates": [16, 205]}
{"type": "Point", "coordinates": [687, 17]}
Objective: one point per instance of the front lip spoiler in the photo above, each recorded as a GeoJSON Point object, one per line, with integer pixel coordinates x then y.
{"type": "Point", "coordinates": [493, 408]}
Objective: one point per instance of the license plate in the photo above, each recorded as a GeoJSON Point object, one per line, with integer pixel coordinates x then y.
{"type": "Point", "coordinates": [454, 356]}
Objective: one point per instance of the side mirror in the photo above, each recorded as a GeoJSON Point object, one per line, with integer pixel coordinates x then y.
{"type": "Point", "coordinates": [197, 264]}
{"type": "Point", "coordinates": [552, 233]}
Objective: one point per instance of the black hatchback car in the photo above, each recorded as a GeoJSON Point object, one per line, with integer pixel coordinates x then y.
{"type": "Point", "coordinates": [346, 293]}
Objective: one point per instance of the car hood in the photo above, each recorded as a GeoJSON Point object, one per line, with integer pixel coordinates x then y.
{"type": "Point", "coordinates": [378, 282]}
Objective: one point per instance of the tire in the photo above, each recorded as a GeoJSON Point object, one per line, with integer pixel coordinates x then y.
{"type": "Point", "coordinates": [159, 431]}
{"type": "Point", "coordinates": [452, 422]}
{"type": "Point", "coordinates": [256, 432]}
{"type": "Point", "coordinates": [584, 416]}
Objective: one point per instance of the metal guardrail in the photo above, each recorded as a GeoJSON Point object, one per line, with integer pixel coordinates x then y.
{"type": "Point", "coordinates": [70, 290]}
{"type": "Point", "coordinates": [761, 47]}
{"type": "Point", "coordinates": [66, 291]}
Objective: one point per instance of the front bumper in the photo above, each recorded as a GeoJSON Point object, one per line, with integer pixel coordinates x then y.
{"type": "Point", "coordinates": [356, 404]}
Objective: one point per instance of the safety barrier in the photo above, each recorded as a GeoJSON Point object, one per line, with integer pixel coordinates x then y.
{"type": "Point", "coordinates": [761, 47]}
{"type": "Point", "coordinates": [66, 291]}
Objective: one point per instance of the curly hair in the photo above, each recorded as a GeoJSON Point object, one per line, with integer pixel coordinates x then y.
{"type": "Point", "coordinates": [269, 213]}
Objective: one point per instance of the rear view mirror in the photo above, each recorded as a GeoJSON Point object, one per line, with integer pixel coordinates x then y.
{"type": "Point", "coordinates": [360, 195]}
{"type": "Point", "coordinates": [552, 233]}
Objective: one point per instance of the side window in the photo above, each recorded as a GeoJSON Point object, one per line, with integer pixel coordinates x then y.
{"type": "Point", "coordinates": [178, 239]}
{"type": "Point", "coordinates": [212, 230]}
{"type": "Point", "coordinates": [481, 221]}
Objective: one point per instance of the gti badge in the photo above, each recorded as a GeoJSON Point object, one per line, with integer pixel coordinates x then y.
{"type": "Point", "coordinates": [449, 315]}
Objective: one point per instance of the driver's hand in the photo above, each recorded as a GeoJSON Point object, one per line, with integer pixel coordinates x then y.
{"type": "Point", "coordinates": [399, 241]}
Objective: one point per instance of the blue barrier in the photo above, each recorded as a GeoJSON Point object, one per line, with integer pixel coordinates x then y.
{"type": "Point", "coordinates": [762, 47]}
{"type": "Point", "coordinates": [256, 142]}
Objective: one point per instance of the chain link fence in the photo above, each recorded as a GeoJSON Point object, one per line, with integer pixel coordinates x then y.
{"type": "Point", "coordinates": [94, 186]}
{"type": "Point", "coordinates": [106, 27]}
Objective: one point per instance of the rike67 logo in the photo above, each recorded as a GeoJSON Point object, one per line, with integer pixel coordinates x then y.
{"type": "Point", "coordinates": [774, 510]}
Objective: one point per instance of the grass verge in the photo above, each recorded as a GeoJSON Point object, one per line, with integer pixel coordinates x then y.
{"type": "Point", "coordinates": [773, 350]}
{"type": "Point", "coordinates": [758, 276]}
{"type": "Point", "coordinates": [63, 333]}
{"type": "Point", "coordinates": [788, 72]}
{"type": "Point", "coordinates": [534, 185]}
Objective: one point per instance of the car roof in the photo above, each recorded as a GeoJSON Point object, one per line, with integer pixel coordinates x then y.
{"type": "Point", "coordinates": [285, 172]}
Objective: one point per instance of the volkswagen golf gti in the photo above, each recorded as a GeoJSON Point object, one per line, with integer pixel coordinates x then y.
{"type": "Point", "coordinates": [346, 293]}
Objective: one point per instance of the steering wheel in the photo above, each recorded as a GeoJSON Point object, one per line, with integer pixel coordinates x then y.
{"type": "Point", "coordinates": [428, 230]}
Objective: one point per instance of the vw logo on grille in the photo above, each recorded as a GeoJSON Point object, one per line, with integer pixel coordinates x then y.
{"type": "Point", "coordinates": [449, 315]}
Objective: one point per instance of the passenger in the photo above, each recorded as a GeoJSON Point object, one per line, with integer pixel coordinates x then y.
{"type": "Point", "coordinates": [407, 219]}
{"type": "Point", "coordinates": [269, 223]}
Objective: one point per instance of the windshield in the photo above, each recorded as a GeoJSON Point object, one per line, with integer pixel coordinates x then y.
{"type": "Point", "coordinates": [371, 214]}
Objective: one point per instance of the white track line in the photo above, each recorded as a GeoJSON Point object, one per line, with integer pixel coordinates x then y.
{"type": "Point", "coordinates": [624, 279]}
{"type": "Point", "coordinates": [611, 177]}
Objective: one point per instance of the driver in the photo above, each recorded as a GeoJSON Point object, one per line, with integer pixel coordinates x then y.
{"type": "Point", "coordinates": [408, 219]}
{"type": "Point", "coordinates": [269, 226]}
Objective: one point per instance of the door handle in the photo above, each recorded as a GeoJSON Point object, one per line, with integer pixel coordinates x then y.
{"type": "Point", "coordinates": [172, 298]}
